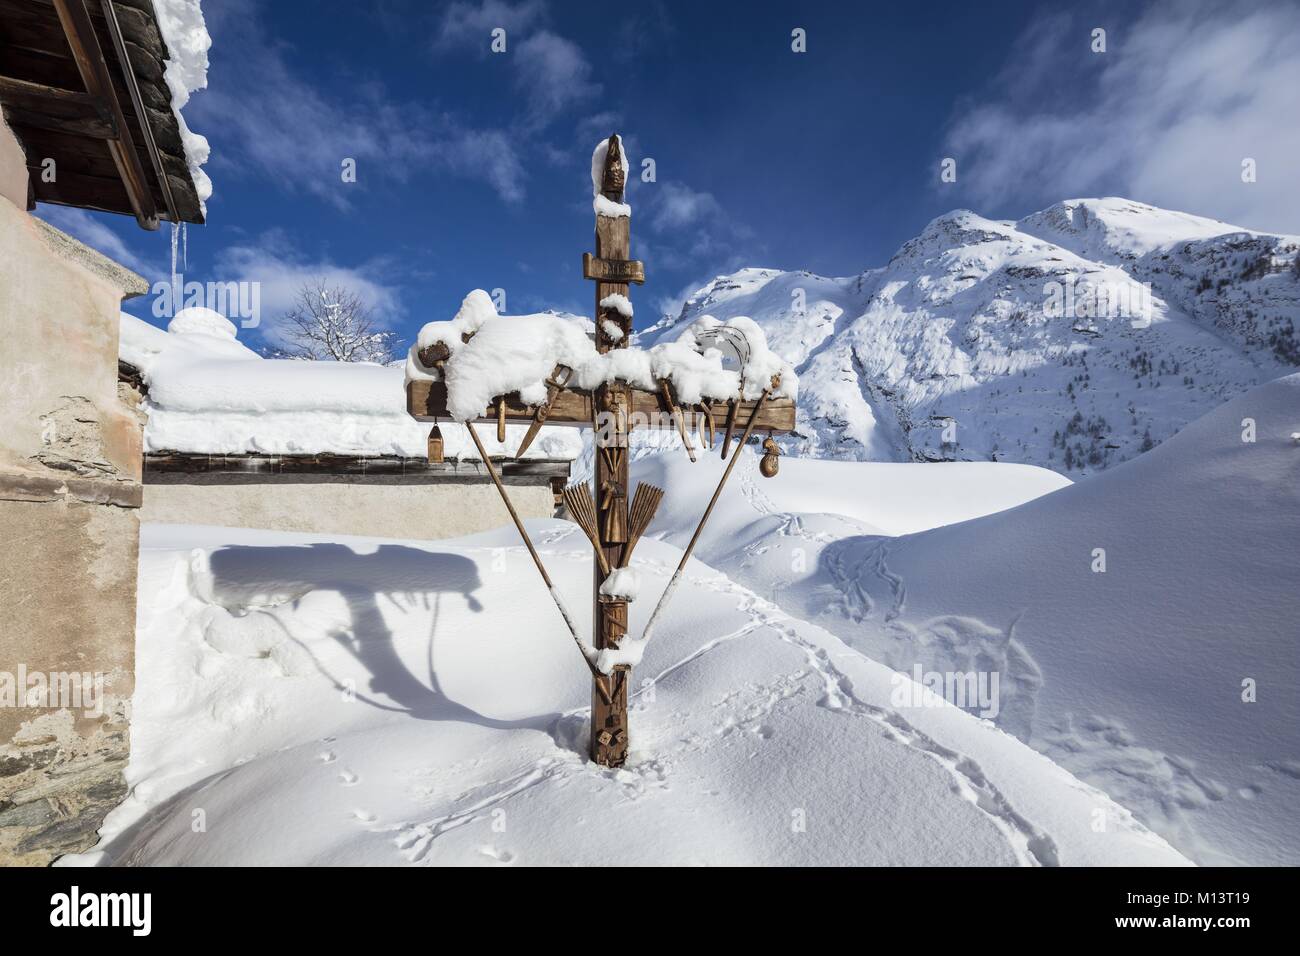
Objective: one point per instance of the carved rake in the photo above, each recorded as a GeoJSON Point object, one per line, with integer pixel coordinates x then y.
{"type": "Point", "coordinates": [577, 498]}
{"type": "Point", "coordinates": [644, 505]}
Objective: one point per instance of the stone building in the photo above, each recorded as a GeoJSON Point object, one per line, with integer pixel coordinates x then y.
{"type": "Point", "coordinates": [89, 123]}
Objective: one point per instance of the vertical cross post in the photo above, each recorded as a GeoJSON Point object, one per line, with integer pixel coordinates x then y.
{"type": "Point", "coordinates": [613, 403]}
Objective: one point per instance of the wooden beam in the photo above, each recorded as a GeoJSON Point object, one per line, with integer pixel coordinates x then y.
{"type": "Point", "coordinates": [128, 77]}
{"type": "Point", "coordinates": [76, 189]}
{"type": "Point", "coordinates": [89, 57]}
{"type": "Point", "coordinates": [48, 107]}
{"type": "Point", "coordinates": [177, 466]}
{"type": "Point", "coordinates": [427, 402]}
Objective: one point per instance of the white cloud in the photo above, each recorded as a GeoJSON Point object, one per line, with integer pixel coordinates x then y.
{"type": "Point", "coordinates": [690, 230]}
{"type": "Point", "coordinates": [471, 24]}
{"type": "Point", "coordinates": [281, 269]}
{"type": "Point", "coordinates": [676, 206]}
{"type": "Point", "coordinates": [267, 118]}
{"type": "Point", "coordinates": [553, 74]}
{"type": "Point", "coordinates": [97, 234]}
{"type": "Point", "coordinates": [550, 71]}
{"type": "Point", "coordinates": [1165, 116]}
{"type": "Point", "coordinates": [489, 155]}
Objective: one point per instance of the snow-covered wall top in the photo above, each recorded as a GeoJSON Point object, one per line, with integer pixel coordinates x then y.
{"type": "Point", "coordinates": [210, 394]}
{"type": "Point", "coordinates": [186, 35]}
{"type": "Point", "coordinates": [1073, 339]}
{"type": "Point", "coordinates": [494, 355]}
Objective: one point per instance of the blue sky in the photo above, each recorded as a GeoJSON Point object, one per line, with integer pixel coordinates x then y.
{"type": "Point", "coordinates": [473, 167]}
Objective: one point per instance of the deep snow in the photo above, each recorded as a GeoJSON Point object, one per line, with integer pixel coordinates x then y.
{"type": "Point", "coordinates": [1131, 677]}
{"type": "Point", "coordinates": [302, 699]}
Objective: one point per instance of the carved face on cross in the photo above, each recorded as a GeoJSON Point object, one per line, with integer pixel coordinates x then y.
{"type": "Point", "coordinates": [614, 179]}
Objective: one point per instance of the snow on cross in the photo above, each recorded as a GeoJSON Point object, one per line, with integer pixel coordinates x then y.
{"type": "Point", "coordinates": [480, 366]}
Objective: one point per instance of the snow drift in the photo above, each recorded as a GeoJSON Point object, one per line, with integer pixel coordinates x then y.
{"type": "Point", "coordinates": [1166, 679]}
{"type": "Point", "coordinates": [304, 700]}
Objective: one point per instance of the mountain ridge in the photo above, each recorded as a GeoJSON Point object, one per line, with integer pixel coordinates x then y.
{"type": "Point", "coordinates": [1073, 338]}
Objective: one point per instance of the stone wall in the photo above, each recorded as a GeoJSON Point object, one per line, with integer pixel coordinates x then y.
{"type": "Point", "coordinates": [384, 507]}
{"type": "Point", "coordinates": [69, 493]}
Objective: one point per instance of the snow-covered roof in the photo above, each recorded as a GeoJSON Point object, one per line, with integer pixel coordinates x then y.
{"type": "Point", "coordinates": [208, 393]}
{"type": "Point", "coordinates": [125, 147]}
{"type": "Point", "coordinates": [186, 35]}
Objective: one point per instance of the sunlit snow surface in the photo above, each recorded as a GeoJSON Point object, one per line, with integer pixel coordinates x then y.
{"type": "Point", "coordinates": [1132, 677]}
{"type": "Point", "coordinates": [311, 700]}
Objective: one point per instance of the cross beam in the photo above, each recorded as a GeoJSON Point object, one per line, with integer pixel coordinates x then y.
{"type": "Point", "coordinates": [427, 402]}
{"type": "Point", "coordinates": [613, 518]}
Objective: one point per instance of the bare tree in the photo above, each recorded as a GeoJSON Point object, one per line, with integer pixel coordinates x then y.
{"type": "Point", "coordinates": [329, 321]}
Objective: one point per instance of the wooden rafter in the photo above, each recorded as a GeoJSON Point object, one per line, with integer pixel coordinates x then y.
{"type": "Point", "coordinates": [89, 57]}
{"type": "Point", "coordinates": [47, 107]}
{"type": "Point", "coordinates": [133, 88]}
{"type": "Point", "coordinates": [56, 118]}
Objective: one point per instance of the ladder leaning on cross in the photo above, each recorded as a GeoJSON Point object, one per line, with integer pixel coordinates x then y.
{"type": "Point", "coordinates": [612, 407]}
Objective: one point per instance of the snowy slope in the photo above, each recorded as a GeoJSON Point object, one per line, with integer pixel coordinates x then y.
{"type": "Point", "coordinates": [1131, 677]}
{"type": "Point", "coordinates": [966, 346]}
{"type": "Point", "coordinates": [312, 700]}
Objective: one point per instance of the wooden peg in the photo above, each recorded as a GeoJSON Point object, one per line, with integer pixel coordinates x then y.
{"type": "Point", "coordinates": [678, 417]}
{"type": "Point", "coordinates": [732, 407]}
{"type": "Point", "coordinates": [501, 419]}
{"type": "Point", "coordinates": [712, 431]}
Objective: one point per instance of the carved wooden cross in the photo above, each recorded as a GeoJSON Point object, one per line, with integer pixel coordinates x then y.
{"type": "Point", "coordinates": [612, 410]}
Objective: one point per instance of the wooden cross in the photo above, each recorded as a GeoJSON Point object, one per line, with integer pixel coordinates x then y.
{"type": "Point", "coordinates": [616, 407]}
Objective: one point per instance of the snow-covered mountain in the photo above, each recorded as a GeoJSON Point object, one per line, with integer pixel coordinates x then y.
{"type": "Point", "coordinates": [1073, 339]}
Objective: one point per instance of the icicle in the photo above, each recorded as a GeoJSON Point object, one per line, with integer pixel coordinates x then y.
{"type": "Point", "coordinates": [185, 247]}
{"type": "Point", "coordinates": [175, 274]}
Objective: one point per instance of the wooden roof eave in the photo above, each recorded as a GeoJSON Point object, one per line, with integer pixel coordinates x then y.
{"type": "Point", "coordinates": [116, 143]}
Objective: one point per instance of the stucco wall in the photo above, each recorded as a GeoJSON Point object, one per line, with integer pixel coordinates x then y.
{"type": "Point", "coordinates": [69, 489]}
{"type": "Point", "coordinates": [390, 507]}
{"type": "Point", "coordinates": [13, 168]}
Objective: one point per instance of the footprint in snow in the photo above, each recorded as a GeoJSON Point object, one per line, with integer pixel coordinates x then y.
{"type": "Point", "coordinates": [327, 756]}
{"type": "Point", "coordinates": [364, 816]}
{"type": "Point", "coordinates": [348, 778]}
